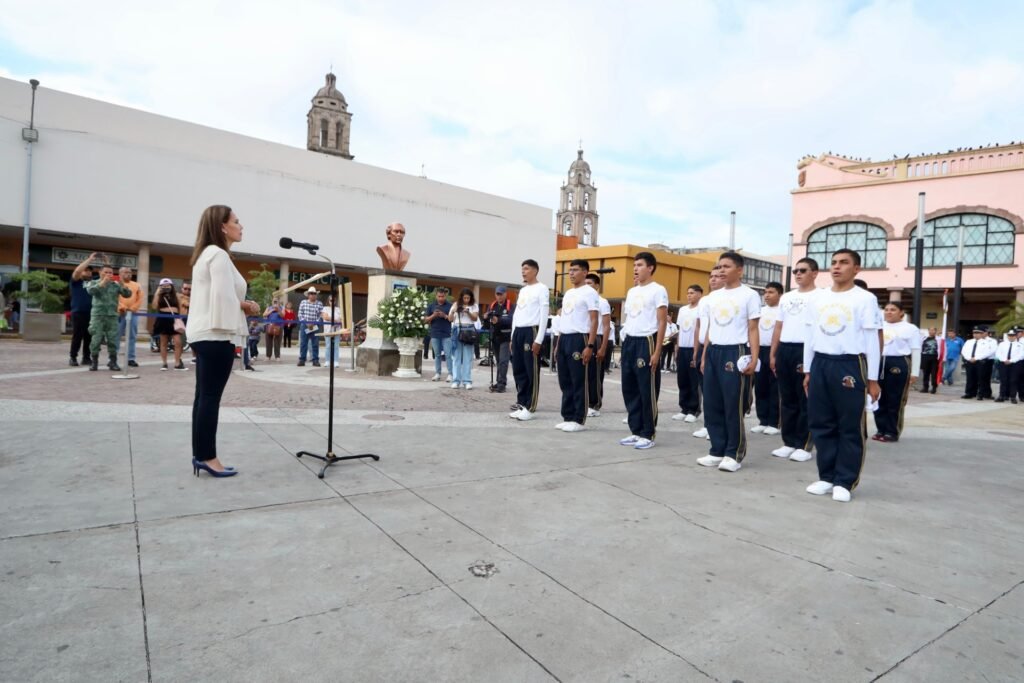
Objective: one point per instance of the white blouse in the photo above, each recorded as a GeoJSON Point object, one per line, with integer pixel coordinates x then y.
{"type": "Point", "coordinates": [218, 290]}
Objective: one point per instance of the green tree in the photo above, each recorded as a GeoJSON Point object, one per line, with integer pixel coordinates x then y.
{"type": "Point", "coordinates": [45, 290]}
{"type": "Point", "coordinates": [1012, 316]}
{"type": "Point", "coordinates": [262, 285]}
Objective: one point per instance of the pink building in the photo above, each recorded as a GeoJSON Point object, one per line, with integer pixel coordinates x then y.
{"type": "Point", "coordinates": [872, 207]}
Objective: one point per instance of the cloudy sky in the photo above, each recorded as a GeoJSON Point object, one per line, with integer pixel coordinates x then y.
{"type": "Point", "coordinates": [687, 109]}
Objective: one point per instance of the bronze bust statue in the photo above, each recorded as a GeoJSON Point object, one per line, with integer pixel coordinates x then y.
{"type": "Point", "coordinates": [392, 255]}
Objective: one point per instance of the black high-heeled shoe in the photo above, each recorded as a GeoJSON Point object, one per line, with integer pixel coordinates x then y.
{"type": "Point", "coordinates": [201, 465]}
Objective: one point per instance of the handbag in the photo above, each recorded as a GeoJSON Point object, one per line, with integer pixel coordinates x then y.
{"type": "Point", "coordinates": [179, 324]}
{"type": "Point", "coordinates": [273, 329]}
{"type": "Point", "coordinates": [467, 335]}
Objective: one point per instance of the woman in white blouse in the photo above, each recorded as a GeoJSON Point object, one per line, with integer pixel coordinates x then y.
{"type": "Point", "coordinates": [216, 325]}
{"type": "Point", "coordinates": [463, 316]}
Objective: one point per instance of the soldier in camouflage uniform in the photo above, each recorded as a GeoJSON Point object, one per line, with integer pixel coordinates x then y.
{"type": "Point", "coordinates": [103, 320]}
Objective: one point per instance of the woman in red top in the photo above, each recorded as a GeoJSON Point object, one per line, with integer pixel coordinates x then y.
{"type": "Point", "coordinates": [289, 323]}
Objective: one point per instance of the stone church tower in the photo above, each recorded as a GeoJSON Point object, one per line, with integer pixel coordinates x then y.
{"type": "Point", "coordinates": [577, 209]}
{"type": "Point", "coordinates": [330, 122]}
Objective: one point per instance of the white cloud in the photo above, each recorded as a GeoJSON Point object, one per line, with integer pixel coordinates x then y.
{"type": "Point", "coordinates": [687, 110]}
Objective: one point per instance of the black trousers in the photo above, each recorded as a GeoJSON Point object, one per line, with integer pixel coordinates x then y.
{"type": "Point", "coordinates": [1020, 379]}
{"type": "Point", "coordinates": [766, 391]}
{"type": "Point", "coordinates": [595, 378]}
{"type": "Point", "coordinates": [668, 351]}
{"type": "Point", "coordinates": [836, 417]}
{"type": "Point", "coordinates": [641, 385]}
{"type": "Point", "coordinates": [80, 337]}
{"type": "Point", "coordinates": [726, 398]}
{"type": "Point", "coordinates": [525, 367]}
{"type": "Point", "coordinates": [1008, 378]}
{"type": "Point", "coordinates": [500, 351]}
{"type": "Point", "coordinates": [572, 376]}
{"type": "Point", "coordinates": [789, 373]}
{"type": "Point", "coordinates": [688, 381]}
{"type": "Point", "coordinates": [895, 382]}
{"type": "Point", "coordinates": [214, 360]}
{"type": "Point", "coordinates": [979, 379]}
{"type": "Point", "coordinates": [929, 366]}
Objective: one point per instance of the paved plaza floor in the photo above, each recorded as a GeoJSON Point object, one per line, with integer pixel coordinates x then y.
{"type": "Point", "coordinates": [596, 562]}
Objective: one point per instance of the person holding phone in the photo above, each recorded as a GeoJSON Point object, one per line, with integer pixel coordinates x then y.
{"type": "Point", "coordinates": [165, 301]}
{"type": "Point", "coordinates": [463, 316]}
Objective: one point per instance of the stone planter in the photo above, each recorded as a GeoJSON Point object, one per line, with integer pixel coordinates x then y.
{"type": "Point", "coordinates": [42, 326]}
{"type": "Point", "coordinates": [408, 352]}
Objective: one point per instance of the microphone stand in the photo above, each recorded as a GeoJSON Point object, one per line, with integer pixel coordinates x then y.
{"type": "Point", "coordinates": [329, 458]}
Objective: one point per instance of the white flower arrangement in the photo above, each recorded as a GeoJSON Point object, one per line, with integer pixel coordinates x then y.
{"type": "Point", "coordinates": [401, 314]}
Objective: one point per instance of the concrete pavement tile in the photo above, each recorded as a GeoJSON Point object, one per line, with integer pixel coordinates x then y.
{"type": "Point", "coordinates": [71, 607]}
{"type": "Point", "coordinates": [64, 476]}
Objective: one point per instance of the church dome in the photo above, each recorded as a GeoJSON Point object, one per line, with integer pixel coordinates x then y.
{"type": "Point", "coordinates": [579, 167]}
{"type": "Point", "coordinates": [330, 91]}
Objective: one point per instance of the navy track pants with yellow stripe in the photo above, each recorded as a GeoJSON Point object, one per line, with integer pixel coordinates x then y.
{"type": "Point", "coordinates": [525, 367]}
{"type": "Point", "coordinates": [641, 386]}
{"type": "Point", "coordinates": [836, 417]}
{"type": "Point", "coordinates": [726, 397]}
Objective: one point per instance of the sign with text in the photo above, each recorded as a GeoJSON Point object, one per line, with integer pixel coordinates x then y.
{"type": "Point", "coordinates": [76, 256]}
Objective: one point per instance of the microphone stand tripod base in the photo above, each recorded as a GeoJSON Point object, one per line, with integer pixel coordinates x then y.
{"type": "Point", "coordinates": [331, 458]}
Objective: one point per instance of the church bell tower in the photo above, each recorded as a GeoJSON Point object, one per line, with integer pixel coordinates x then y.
{"type": "Point", "coordinates": [329, 121]}
{"type": "Point", "coordinates": [577, 208]}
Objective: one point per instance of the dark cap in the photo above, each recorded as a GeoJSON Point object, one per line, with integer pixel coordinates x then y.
{"type": "Point", "coordinates": [980, 328]}
{"type": "Point", "coordinates": [500, 289]}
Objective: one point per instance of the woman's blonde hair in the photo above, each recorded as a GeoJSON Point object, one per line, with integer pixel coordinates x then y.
{"type": "Point", "coordinates": [211, 230]}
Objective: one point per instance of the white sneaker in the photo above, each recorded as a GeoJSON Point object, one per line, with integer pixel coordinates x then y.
{"type": "Point", "coordinates": [643, 444]}
{"type": "Point", "coordinates": [524, 415]}
{"type": "Point", "coordinates": [840, 494]}
{"type": "Point", "coordinates": [448, 378]}
{"type": "Point", "coordinates": [820, 488]}
{"type": "Point", "coordinates": [455, 385]}
{"type": "Point", "coordinates": [468, 386]}
{"type": "Point", "coordinates": [435, 378]}
{"type": "Point", "coordinates": [516, 413]}
{"type": "Point", "coordinates": [729, 465]}
{"type": "Point", "coordinates": [758, 429]}
{"type": "Point", "coordinates": [709, 461]}
{"type": "Point", "coordinates": [771, 431]}
{"type": "Point", "coordinates": [680, 416]}
{"type": "Point", "coordinates": [800, 455]}
{"type": "Point", "coordinates": [783, 452]}
{"type": "Point", "coordinates": [561, 425]}
{"type": "Point", "coordinates": [573, 427]}
{"type": "Point", "coordinates": [629, 441]}
{"type": "Point", "coordinates": [701, 433]}
{"type": "Point", "coordinates": [593, 412]}
{"type": "Point", "coordinates": [690, 418]}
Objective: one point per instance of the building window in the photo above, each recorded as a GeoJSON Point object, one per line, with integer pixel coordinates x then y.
{"type": "Point", "coordinates": [568, 200]}
{"type": "Point", "coordinates": [988, 241]}
{"type": "Point", "coordinates": [586, 201]}
{"type": "Point", "coordinates": [864, 238]}
{"type": "Point", "coordinates": [567, 227]}
{"type": "Point", "coordinates": [323, 132]}
{"type": "Point", "coordinates": [588, 230]}
{"type": "Point", "coordinates": [337, 140]}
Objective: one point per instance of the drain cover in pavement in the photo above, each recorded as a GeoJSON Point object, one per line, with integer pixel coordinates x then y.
{"type": "Point", "coordinates": [383, 417]}
{"type": "Point", "coordinates": [483, 570]}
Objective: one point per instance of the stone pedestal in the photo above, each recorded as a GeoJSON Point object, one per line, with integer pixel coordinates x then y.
{"type": "Point", "coordinates": [378, 355]}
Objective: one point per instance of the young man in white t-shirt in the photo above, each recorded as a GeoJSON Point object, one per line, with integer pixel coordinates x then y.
{"type": "Point", "coordinates": [766, 390]}
{"type": "Point", "coordinates": [901, 340]}
{"type": "Point", "coordinates": [841, 360]}
{"type": "Point", "coordinates": [529, 324]}
{"type": "Point", "coordinates": [687, 373]}
{"type": "Point", "coordinates": [577, 341]}
{"type": "Point", "coordinates": [595, 369]}
{"type": "Point", "coordinates": [787, 362]}
{"type": "Point", "coordinates": [733, 312]}
{"type": "Point", "coordinates": [700, 338]}
{"type": "Point", "coordinates": [644, 315]}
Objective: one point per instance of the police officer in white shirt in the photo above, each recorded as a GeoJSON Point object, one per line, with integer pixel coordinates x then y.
{"type": "Point", "coordinates": [644, 315]}
{"type": "Point", "coordinates": [529, 324]}
{"type": "Point", "coordinates": [787, 362]}
{"type": "Point", "coordinates": [902, 340]}
{"type": "Point", "coordinates": [687, 374]}
{"type": "Point", "coordinates": [577, 339]}
{"type": "Point", "coordinates": [977, 356]}
{"type": "Point", "coordinates": [766, 389]}
{"type": "Point", "coordinates": [733, 312]}
{"type": "Point", "coordinates": [595, 368]}
{"type": "Point", "coordinates": [1009, 355]}
{"type": "Point", "coordinates": [841, 360]}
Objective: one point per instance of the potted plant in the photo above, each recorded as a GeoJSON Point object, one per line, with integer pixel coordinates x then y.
{"type": "Point", "coordinates": [400, 317]}
{"type": "Point", "coordinates": [46, 293]}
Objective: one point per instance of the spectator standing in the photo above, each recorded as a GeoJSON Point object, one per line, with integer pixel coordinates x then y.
{"type": "Point", "coordinates": [105, 294]}
{"type": "Point", "coordinates": [310, 316]}
{"type": "Point", "coordinates": [499, 318]}
{"type": "Point", "coordinates": [274, 329]}
{"type": "Point", "coordinates": [463, 316]}
{"type": "Point", "coordinates": [331, 347]}
{"type": "Point", "coordinates": [930, 361]}
{"type": "Point", "coordinates": [440, 333]}
{"type": "Point", "coordinates": [165, 301]}
{"type": "Point", "coordinates": [253, 343]}
{"type": "Point", "coordinates": [81, 307]}
{"type": "Point", "coordinates": [132, 302]}
{"type": "Point", "coordinates": [954, 347]}
{"type": "Point", "coordinates": [289, 323]}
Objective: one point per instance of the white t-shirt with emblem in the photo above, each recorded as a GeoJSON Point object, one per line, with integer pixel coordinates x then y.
{"type": "Point", "coordinates": [842, 323]}
{"type": "Point", "coordinates": [792, 306]}
{"type": "Point", "coordinates": [686, 319]}
{"type": "Point", "coordinates": [729, 311]}
{"type": "Point", "coordinates": [766, 324]}
{"type": "Point", "coordinates": [532, 307]}
{"type": "Point", "coordinates": [605, 309]}
{"type": "Point", "coordinates": [640, 310]}
{"type": "Point", "coordinates": [577, 304]}
{"type": "Point", "coordinates": [900, 338]}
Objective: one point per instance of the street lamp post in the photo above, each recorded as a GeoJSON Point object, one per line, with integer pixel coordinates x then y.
{"type": "Point", "coordinates": [30, 135]}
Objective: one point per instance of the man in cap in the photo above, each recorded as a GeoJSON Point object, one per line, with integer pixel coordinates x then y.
{"type": "Point", "coordinates": [310, 314]}
{"type": "Point", "coordinates": [977, 356]}
{"type": "Point", "coordinates": [1009, 355]}
{"type": "Point", "coordinates": [499, 318]}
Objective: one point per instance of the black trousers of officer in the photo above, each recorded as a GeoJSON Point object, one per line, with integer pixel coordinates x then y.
{"type": "Point", "coordinates": [641, 385]}
{"type": "Point", "coordinates": [1020, 379]}
{"type": "Point", "coordinates": [595, 377]}
{"type": "Point", "coordinates": [789, 372]}
{"type": "Point", "coordinates": [688, 380]}
{"type": "Point", "coordinates": [726, 397]}
{"type": "Point", "coordinates": [766, 391]}
{"type": "Point", "coordinates": [895, 382]}
{"type": "Point", "coordinates": [1008, 379]}
{"type": "Point", "coordinates": [979, 379]}
{"type": "Point", "coordinates": [572, 376]}
{"type": "Point", "coordinates": [835, 416]}
{"type": "Point", "coordinates": [929, 366]}
{"type": "Point", "coordinates": [525, 367]}
{"type": "Point", "coordinates": [80, 337]}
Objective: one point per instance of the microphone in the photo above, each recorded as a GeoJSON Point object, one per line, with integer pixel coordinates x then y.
{"type": "Point", "coordinates": [287, 243]}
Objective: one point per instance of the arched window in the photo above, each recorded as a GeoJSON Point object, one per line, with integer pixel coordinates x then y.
{"type": "Point", "coordinates": [568, 200]}
{"type": "Point", "coordinates": [866, 239]}
{"type": "Point", "coordinates": [567, 227]}
{"type": "Point", "coordinates": [323, 132]}
{"type": "Point", "coordinates": [337, 139]}
{"type": "Point", "coordinates": [586, 201]}
{"type": "Point", "coordinates": [988, 241]}
{"type": "Point", "coordinates": [588, 230]}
